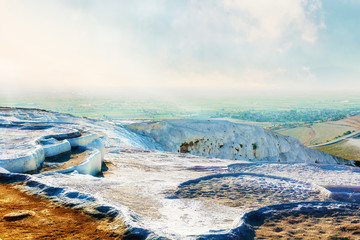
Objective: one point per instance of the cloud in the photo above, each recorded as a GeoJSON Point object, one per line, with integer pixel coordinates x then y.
{"type": "Point", "coordinates": [253, 21]}
{"type": "Point", "coordinates": [274, 20]}
{"type": "Point", "coordinates": [100, 45]}
{"type": "Point", "coordinates": [231, 36]}
{"type": "Point", "coordinates": [307, 74]}
{"type": "Point", "coordinates": [50, 46]}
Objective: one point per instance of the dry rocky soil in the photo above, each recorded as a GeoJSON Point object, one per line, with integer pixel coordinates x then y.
{"type": "Point", "coordinates": [24, 216]}
{"type": "Point", "coordinates": [333, 226]}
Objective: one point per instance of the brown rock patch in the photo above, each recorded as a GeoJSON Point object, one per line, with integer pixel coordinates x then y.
{"type": "Point", "coordinates": [338, 225]}
{"type": "Point", "coordinates": [47, 220]}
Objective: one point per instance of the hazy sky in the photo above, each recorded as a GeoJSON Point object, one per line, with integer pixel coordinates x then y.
{"type": "Point", "coordinates": [176, 46]}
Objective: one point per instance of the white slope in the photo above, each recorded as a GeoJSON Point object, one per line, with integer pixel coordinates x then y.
{"type": "Point", "coordinates": [53, 147]}
{"type": "Point", "coordinates": [27, 137]}
{"type": "Point", "coordinates": [320, 174]}
{"type": "Point", "coordinates": [223, 139]}
{"type": "Point", "coordinates": [146, 180]}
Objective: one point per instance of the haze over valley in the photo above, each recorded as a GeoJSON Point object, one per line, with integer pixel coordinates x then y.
{"type": "Point", "coordinates": [189, 119]}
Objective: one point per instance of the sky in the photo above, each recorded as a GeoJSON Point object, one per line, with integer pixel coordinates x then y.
{"type": "Point", "coordinates": [179, 47]}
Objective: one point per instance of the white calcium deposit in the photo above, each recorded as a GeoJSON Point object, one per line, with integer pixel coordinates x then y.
{"type": "Point", "coordinates": [223, 139]}
{"type": "Point", "coordinates": [148, 164]}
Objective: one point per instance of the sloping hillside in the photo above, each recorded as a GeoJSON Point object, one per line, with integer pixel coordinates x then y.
{"type": "Point", "coordinates": [226, 140]}
{"type": "Point", "coordinates": [317, 133]}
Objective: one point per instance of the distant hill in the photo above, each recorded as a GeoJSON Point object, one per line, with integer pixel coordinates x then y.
{"type": "Point", "coordinates": [317, 133]}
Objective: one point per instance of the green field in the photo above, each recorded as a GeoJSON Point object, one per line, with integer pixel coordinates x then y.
{"type": "Point", "coordinates": [302, 133]}
{"type": "Point", "coordinates": [329, 131]}
{"type": "Point", "coordinates": [260, 110]}
{"type": "Point", "coordinates": [343, 149]}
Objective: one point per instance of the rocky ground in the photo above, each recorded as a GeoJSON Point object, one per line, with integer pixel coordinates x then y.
{"type": "Point", "coordinates": [24, 216]}
{"type": "Point", "coordinates": [249, 192]}
{"type": "Point", "coordinates": [332, 226]}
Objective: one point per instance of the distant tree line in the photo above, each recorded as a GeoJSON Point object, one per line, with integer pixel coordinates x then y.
{"type": "Point", "coordinates": [311, 115]}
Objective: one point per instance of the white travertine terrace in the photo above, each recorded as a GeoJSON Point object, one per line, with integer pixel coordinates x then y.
{"type": "Point", "coordinates": [149, 164]}
{"type": "Point", "coordinates": [24, 145]}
